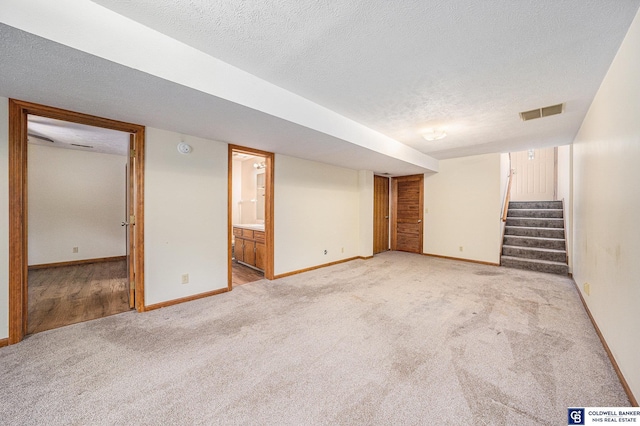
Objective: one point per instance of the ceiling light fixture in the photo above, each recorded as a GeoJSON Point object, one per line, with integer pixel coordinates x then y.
{"type": "Point", "coordinates": [260, 165]}
{"type": "Point", "coordinates": [434, 134]}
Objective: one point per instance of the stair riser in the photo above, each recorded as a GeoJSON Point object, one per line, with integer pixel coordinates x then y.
{"type": "Point", "coordinates": [535, 213]}
{"type": "Point", "coordinates": [535, 205]}
{"type": "Point", "coordinates": [512, 240]}
{"type": "Point", "coordinates": [551, 269]}
{"type": "Point", "coordinates": [534, 254]}
{"type": "Point", "coordinates": [536, 223]}
{"type": "Point", "coordinates": [529, 232]}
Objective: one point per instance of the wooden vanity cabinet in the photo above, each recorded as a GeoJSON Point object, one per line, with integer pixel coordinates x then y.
{"type": "Point", "coordinates": [249, 247]}
{"type": "Point", "coordinates": [260, 249]}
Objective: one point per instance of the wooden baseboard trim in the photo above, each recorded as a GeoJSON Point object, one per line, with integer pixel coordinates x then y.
{"type": "Point", "coordinates": [623, 381]}
{"type": "Point", "coordinates": [4, 342]}
{"type": "Point", "coordinates": [481, 262]}
{"type": "Point", "coordinates": [324, 265]}
{"type": "Point", "coordinates": [365, 257]}
{"type": "Point", "coordinates": [78, 262]}
{"type": "Point", "coordinates": [184, 299]}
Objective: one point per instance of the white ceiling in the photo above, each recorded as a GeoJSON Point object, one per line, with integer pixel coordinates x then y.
{"type": "Point", "coordinates": [467, 66]}
{"type": "Point", "coordinates": [63, 134]}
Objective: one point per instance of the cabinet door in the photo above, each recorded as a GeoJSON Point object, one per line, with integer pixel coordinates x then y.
{"type": "Point", "coordinates": [249, 252]}
{"type": "Point", "coordinates": [238, 250]}
{"type": "Point", "coordinates": [260, 253]}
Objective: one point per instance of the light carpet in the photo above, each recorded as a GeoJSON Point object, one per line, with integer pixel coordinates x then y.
{"type": "Point", "coordinates": [399, 339]}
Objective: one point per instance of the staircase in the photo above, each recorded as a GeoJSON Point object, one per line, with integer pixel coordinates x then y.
{"type": "Point", "coordinates": [534, 237]}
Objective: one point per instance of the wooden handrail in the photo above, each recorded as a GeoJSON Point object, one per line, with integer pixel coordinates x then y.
{"type": "Point", "coordinates": [507, 197]}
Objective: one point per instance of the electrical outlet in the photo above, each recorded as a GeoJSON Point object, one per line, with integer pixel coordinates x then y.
{"type": "Point", "coordinates": [461, 248]}
{"type": "Point", "coordinates": [342, 250]}
{"type": "Point", "coordinates": [185, 278]}
{"type": "Point", "coordinates": [75, 249]}
{"type": "Point", "coordinates": [587, 289]}
{"type": "Point", "coordinates": [325, 252]}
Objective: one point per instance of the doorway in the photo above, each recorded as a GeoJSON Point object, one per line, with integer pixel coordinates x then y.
{"type": "Point", "coordinates": [24, 120]}
{"type": "Point", "coordinates": [407, 213]}
{"type": "Point", "coordinates": [534, 175]}
{"type": "Point", "coordinates": [250, 215]}
{"type": "Point", "coordinates": [77, 223]}
{"type": "Point", "coordinates": [380, 214]}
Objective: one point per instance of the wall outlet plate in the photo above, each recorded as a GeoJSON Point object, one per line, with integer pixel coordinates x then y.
{"type": "Point", "coordinates": [185, 278]}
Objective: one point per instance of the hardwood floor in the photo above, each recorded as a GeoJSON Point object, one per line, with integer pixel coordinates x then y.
{"type": "Point", "coordinates": [241, 274]}
{"type": "Point", "coordinates": [71, 294]}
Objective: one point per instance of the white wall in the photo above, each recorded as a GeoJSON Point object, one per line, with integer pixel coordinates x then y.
{"type": "Point", "coordinates": [249, 191]}
{"type": "Point", "coordinates": [365, 188]}
{"type": "Point", "coordinates": [505, 169]}
{"type": "Point", "coordinates": [463, 208]}
{"type": "Point", "coordinates": [316, 208]}
{"type": "Point", "coordinates": [185, 216]}
{"type": "Point", "coordinates": [4, 218]}
{"type": "Point", "coordinates": [76, 199]}
{"type": "Point", "coordinates": [606, 207]}
{"type": "Point", "coordinates": [564, 193]}
{"type": "Point", "coordinates": [236, 191]}
{"type": "Point", "coordinates": [533, 179]}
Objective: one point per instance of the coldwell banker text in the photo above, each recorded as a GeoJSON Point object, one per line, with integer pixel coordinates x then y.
{"type": "Point", "coordinates": [613, 416]}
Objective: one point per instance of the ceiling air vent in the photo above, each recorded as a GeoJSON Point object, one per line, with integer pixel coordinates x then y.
{"type": "Point", "coordinates": [542, 112]}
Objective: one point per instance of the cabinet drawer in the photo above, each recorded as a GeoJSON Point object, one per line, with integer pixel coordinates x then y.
{"type": "Point", "coordinates": [247, 233]}
{"type": "Point", "coordinates": [237, 232]}
{"type": "Point", "coordinates": [258, 236]}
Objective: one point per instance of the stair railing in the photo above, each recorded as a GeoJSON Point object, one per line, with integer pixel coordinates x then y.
{"type": "Point", "coordinates": [505, 208]}
{"type": "Point", "coordinates": [507, 196]}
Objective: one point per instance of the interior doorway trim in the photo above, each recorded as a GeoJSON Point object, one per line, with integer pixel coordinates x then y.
{"type": "Point", "coordinates": [381, 213]}
{"type": "Point", "coordinates": [18, 205]}
{"type": "Point", "coordinates": [408, 221]}
{"type": "Point", "coordinates": [268, 208]}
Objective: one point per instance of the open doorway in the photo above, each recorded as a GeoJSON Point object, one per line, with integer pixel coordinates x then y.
{"type": "Point", "coordinates": [52, 227]}
{"type": "Point", "coordinates": [407, 209]}
{"type": "Point", "coordinates": [534, 175]}
{"type": "Point", "coordinates": [78, 178]}
{"type": "Point", "coordinates": [250, 215]}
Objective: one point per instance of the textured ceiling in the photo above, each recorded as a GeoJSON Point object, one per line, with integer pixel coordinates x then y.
{"type": "Point", "coordinates": [466, 66]}
{"type": "Point", "coordinates": [38, 70]}
{"type": "Point", "coordinates": [396, 67]}
{"type": "Point", "coordinates": [69, 135]}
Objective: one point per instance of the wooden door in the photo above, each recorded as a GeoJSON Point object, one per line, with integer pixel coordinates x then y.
{"type": "Point", "coordinates": [260, 255]}
{"type": "Point", "coordinates": [534, 176]}
{"type": "Point", "coordinates": [407, 213]}
{"type": "Point", "coordinates": [380, 214]}
{"type": "Point", "coordinates": [238, 250]}
{"type": "Point", "coordinates": [128, 219]}
{"type": "Point", "coordinates": [249, 252]}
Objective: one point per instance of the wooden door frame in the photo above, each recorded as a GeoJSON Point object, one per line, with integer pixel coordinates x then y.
{"type": "Point", "coordinates": [268, 208]}
{"type": "Point", "coordinates": [388, 216]}
{"type": "Point", "coordinates": [131, 211]}
{"type": "Point", "coordinates": [18, 204]}
{"type": "Point", "coordinates": [394, 212]}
